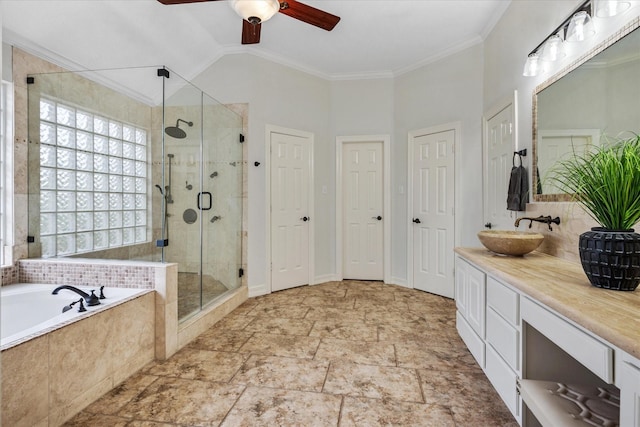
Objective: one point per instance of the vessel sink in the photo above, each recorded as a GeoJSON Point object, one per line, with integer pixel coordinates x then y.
{"type": "Point", "coordinates": [515, 243]}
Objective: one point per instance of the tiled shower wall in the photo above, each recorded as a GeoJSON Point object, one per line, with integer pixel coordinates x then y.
{"type": "Point", "coordinates": [23, 64]}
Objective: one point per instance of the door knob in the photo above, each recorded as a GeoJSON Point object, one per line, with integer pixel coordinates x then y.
{"type": "Point", "coordinates": [417, 220]}
{"type": "Point", "coordinates": [379, 218]}
{"type": "Point", "coordinates": [488, 225]}
{"type": "Point", "coordinates": [305, 218]}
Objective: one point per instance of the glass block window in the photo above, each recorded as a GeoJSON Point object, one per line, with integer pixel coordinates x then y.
{"type": "Point", "coordinates": [93, 181]}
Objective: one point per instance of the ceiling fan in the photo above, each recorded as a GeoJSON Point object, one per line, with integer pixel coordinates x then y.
{"type": "Point", "coordinates": [255, 12]}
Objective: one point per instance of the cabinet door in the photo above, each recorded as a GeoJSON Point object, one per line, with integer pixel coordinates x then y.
{"type": "Point", "coordinates": [503, 379]}
{"type": "Point", "coordinates": [476, 297]}
{"type": "Point", "coordinates": [461, 288]}
{"type": "Point", "coordinates": [629, 393]}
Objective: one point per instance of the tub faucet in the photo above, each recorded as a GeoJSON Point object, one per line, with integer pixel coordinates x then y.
{"type": "Point", "coordinates": [90, 299]}
{"type": "Point", "coordinates": [543, 219]}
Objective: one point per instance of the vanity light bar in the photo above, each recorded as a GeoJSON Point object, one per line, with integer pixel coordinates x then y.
{"type": "Point", "coordinates": [587, 7]}
{"type": "Point", "coordinates": [532, 65]}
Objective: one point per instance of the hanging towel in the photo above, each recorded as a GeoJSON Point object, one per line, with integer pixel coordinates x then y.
{"type": "Point", "coordinates": [517, 196]}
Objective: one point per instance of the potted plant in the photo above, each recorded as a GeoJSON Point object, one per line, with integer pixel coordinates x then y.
{"type": "Point", "coordinates": [606, 183]}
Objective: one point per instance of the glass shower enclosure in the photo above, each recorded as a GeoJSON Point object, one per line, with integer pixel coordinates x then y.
{"type": "Point", "coordinates": [137, 164]}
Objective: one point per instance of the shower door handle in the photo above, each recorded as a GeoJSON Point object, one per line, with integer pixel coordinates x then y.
{"type": "Point", "coordinates": [210, 201]}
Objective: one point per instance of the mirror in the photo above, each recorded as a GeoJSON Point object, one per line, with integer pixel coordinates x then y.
{"type": "Point", "coordinates": [598, 95]}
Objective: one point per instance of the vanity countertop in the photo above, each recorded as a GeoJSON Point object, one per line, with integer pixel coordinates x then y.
{"type": "Point", "coordinates": [563, 286]}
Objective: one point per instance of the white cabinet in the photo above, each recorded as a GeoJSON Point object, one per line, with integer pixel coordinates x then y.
{"type": "Point", "coordinates": [517, 339]}
{"type": "Point", "coordinates": [628, 369]}
{"type": "Point", "coordinates": [470, 303]}
{"type": "Point", "coordinates": [504, 380]}
{"type": "Point", "coordinates": [503, 342]}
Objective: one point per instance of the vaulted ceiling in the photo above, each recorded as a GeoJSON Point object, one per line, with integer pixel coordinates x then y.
{"type": "Point", "coordinates": [373, 38]}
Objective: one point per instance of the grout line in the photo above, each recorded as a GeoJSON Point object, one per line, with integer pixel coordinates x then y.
{"type": "Point", "coordinates": [395, 354]}
{"type": "Point", "coordinates": [232, 406]}
{"type": "Point", "coordinates": [340, 411]}
{"type": "Point", "coordinates": [326, 376]}
{"type": "Point", "coordinates": [420, 385]}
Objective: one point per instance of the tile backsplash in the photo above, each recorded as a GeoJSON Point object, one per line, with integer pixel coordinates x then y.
{"type": "Point", "coordinates": [9, 275]}
{"type": "Point", "coordinates": [78, 272]}
{"type": "Point", "coordinates": [562, 241]}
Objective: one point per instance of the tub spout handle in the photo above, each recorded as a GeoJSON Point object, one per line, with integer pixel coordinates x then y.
{"type": "Point", "coordinates": [102, 293]}
{"type": "Point", "coordinates": [93, 299]}
{"type": "Point", "coordinates": [70, 306]}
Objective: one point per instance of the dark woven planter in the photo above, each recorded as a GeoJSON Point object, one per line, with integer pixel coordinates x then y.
{"type": "Point", "coordinates": [611, 258]}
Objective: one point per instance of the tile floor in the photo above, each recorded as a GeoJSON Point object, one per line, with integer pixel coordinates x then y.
{"type": "Point", "coordinates": [338, 354]}
{"type": "Point", "coordinates": [189, 292]}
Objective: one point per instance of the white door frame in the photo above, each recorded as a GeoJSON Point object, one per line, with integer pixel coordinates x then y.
{"type": "Point", "coordinates": [457, 128]}
{"type": "Point", "coordinates": [488, 115]}
{"type": "Point", "coordinates": [269, 129]}
{"type": "Point", "coordinates": [386, 201]}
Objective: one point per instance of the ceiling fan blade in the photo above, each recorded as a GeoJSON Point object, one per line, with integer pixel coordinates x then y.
{"type": "Point", "coordinates": [182, 1]}
{"type": "Point", "coordinates": [250, 32]}
{"type": "Point", "coordinates": [309, 14]}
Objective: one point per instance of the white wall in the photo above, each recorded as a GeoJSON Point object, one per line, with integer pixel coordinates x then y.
{"type": "Point", "coordinates": [281, 96]}
{"type": "Point", "coordinates": [523, 26]}
{"type": "Point", "coordinates": [447, 91]}
{"type": "Point", "coordinates": [358, 107]}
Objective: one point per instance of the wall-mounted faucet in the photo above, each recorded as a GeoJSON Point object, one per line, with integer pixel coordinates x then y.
{"type": "Point", "coordinates": [543, 219]}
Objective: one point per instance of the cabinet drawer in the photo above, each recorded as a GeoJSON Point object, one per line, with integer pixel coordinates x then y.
{"type": "Point", "coordinates": [593, 354]}
{"type": "Point", "coordinates": [503, 337]}
{"type": "Point", "coordinates": [503, 380]}
{"type": "Point", "coordinates": [503, 300]}
{"type": "Point", "coordinates": [474, 343]}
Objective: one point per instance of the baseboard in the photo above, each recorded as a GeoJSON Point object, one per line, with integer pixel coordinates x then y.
{"type": "Point", "coordinates": [258, 290]}
{"type": "Point", "coordinates": [400, 282]}
{"type": "Point", "coordinates": [324, 279]}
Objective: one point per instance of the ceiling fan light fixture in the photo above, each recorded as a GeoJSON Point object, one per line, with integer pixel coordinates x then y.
{"type": "Point", "coordinates": [256, 11]}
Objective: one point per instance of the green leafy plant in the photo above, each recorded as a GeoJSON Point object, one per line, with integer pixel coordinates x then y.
{"type": "Point", "coordinates": [605, 181]}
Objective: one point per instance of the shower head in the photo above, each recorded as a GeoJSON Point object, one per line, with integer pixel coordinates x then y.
{"type": "Point", "coordinates": [175, 131]}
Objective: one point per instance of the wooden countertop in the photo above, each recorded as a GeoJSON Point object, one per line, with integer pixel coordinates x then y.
{"type": "Point", "coordinates": [563, 286]}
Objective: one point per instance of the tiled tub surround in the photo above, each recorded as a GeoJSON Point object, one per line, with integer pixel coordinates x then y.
{"type": "Point", "coordinates": [170, 336]}
{"type": "Point", "coordinates": [30, 310]}
{"type": "Point", "coordinates": [48, 379]}
{"type": "Point", "coordinates": [336, 354]}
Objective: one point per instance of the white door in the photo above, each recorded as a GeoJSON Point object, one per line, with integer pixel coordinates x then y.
{"type": "Point", "coordinates": [362, 178]}
{"type": "Point", "coordinates": [290, 210]}
{"type": "Point", "coordinates": [499, 149]}
{"type": "Point", "coordinates": [433, 211]}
